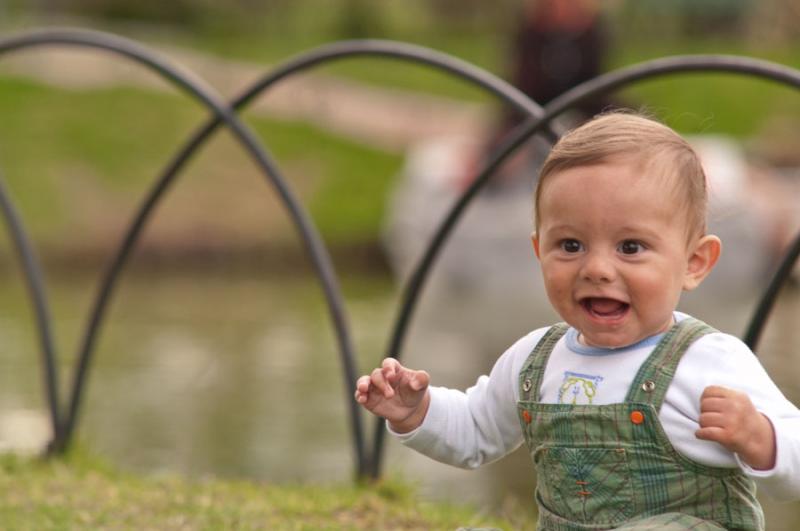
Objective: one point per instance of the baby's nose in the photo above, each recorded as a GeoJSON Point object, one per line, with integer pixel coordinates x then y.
{"type": "Point", "coordinates": [598, 267]}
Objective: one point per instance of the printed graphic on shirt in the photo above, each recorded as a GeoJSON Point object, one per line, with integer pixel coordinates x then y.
{"type": "Point", "coordinates": [578, 388]}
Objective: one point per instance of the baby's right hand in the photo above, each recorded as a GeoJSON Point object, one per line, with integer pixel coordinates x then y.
{"type": "Point", "coordinates": [397, 393]}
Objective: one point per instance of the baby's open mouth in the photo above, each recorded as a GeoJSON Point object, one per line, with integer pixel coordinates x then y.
{"type": "Point", "coordinates": [604, 308]}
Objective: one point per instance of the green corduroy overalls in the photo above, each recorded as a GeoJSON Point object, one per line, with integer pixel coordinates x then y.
{"type": "Point", "coordinates": [612, 466]}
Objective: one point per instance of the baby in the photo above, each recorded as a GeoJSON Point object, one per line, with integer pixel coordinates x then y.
{"type": "Point", "coordinates": [635, 415]}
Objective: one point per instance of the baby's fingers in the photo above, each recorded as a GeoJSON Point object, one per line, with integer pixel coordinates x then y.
{"type": "Point", "coordinates": [391, 370]}
{"type": "Point", "coordinates": [712, 433]}
{"type": "Point", "coordinates": [419, 380]}
{"type": "Point", "coordinates": [362, 389]}
{"type": "Point", "coordinates": [710, 419]}
{"type": "Point", "coordinates": [717, 391]}
{"type": "Point", "coordinates": [369, 388]}
{"type": "Point", "coordinates": [362, 384]}
{"type": "Point", "coordinates": [380, 382]}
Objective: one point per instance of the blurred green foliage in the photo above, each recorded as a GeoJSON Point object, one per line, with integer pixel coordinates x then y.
{"type": "Point", "coordinates": [479, 32]}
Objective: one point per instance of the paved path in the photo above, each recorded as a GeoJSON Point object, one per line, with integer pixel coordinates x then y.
{"type": "Point", "coordinates": [382, 117]}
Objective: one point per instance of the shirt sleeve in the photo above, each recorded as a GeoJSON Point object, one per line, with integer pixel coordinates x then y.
{"type": "Point", "coordinates": [473, 428]}
{"type": "Point", "coordinates": [726, 361]}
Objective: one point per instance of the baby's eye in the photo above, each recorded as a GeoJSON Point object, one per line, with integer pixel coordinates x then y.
{"type": "Point", "coordinates": [630, 247]}
{"type": "Point", "coordinates": [571, 246]}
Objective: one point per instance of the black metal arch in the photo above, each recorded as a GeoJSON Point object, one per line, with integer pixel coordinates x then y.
{"type": "Point", "coordinates": [299, 64]}
{"type": "Point", "coordinates": [598, 86]}
{"type": "Point", "coordinates": [339, 50]}
{"type": "Point", "coordinates": [32, 271]}
{"type": "Point", "coordinates": [782, 274]}
{"type": "Point", "coordinates": [205, 95]}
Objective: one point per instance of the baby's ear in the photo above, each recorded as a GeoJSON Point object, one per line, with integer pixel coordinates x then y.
{"type": "Point", "coordinates": [535, 241]}
{"type": "Point", "coordinates": [701, 261]}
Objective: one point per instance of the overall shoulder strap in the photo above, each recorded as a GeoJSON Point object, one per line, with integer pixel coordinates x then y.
{"type": "Point", "coordinates": [655, 374]}
{"type": "Point", "coordinates": [530, 377]}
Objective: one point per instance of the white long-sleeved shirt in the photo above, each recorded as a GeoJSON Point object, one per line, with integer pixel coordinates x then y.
{"type": "Point", "coordinates": [472, 428]}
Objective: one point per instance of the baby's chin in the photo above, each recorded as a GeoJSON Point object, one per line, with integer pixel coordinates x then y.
{"type": "Point", "coordinates": [609, 340]}
{"type": "Point", "coordinates": [603, 344]}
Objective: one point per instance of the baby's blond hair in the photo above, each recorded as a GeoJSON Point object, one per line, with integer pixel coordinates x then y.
{"type": "Point", "coordinates": [659, 151]}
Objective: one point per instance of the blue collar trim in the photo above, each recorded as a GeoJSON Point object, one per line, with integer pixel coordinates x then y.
{"type": "Point", "coordinates": [576, 346]}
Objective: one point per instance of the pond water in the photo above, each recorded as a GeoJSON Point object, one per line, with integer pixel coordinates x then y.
{"type": "Point", "coordinates": [235, 374]}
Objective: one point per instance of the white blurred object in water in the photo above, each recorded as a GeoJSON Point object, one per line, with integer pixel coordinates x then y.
{"type": "Point", "coordinates": [746, 253]}
{"type": "Point", "coordinates": [24, 431]}
{"type": "Point", "coordinates": [490, 246]}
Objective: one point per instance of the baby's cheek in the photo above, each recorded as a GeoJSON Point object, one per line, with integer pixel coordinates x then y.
{"type": "Point", "coordinates": [558, 294]}
{"type": "Point", "coordinates": [556, 279]}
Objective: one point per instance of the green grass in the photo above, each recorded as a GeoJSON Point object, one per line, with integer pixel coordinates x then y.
{"type": "Point", "coordinates": [81, 492]}
{"type": "Point", "coordinates": [352, 182]}
{"type": "Point", "coordinates": [732, 104]}
{"type": "Point", "coordinates": [60, 149]}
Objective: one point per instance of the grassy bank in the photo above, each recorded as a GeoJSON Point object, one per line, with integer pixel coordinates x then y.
{"type": "Point", "coordinates": [78, 163]}
{"type": "Point", "coordinates": [84, 493]}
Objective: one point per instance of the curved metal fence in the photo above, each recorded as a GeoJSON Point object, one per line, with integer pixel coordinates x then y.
{"type": "Point", "coordinates": [368, 459]}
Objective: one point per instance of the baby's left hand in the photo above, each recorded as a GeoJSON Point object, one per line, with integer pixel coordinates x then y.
{"type": "Point", "coordinates": [729, 418]}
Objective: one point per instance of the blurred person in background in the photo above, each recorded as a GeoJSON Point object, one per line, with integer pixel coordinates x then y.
{"type": "Point", "coordinates": [557, 45]}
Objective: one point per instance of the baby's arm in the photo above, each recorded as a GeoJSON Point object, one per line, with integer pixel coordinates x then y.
{"type": "Point", "coordinates": [730, 418]}
{"type": "Point", "coordinates": [772, 456]}
{"type": "Point", "coordinates": [397, 393]}
{"type": "Point", "coordinates": [463, 429]}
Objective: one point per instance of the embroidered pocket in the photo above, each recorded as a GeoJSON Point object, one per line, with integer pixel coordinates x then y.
{"type": "Point", "coordinates": [586, 485]}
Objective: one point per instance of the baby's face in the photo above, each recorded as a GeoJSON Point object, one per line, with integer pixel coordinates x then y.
{"type": "Point", "coordinates": [613, 251]}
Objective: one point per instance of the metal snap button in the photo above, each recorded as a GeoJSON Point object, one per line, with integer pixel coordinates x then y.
{"type": "Point", "coordinates": [527, 384]}
{"type": "Point", "coordinates": [648, 386]}
{"type": "Point", "coordinates": [637, 417]}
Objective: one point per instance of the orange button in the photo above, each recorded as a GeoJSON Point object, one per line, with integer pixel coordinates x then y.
{"type": "Point", "coordinates": [526, 416]}
{"type": "Point", "coordinates": [637, 417]}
